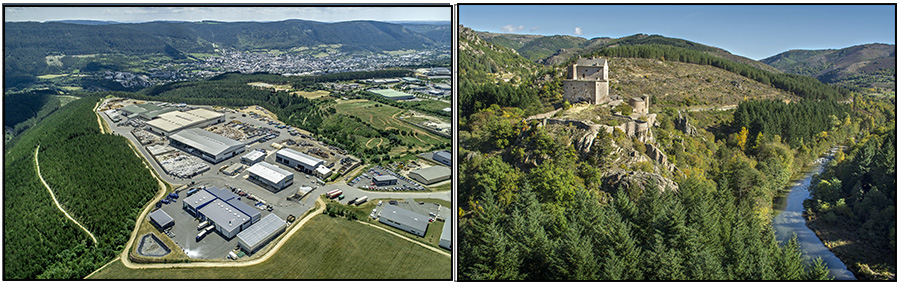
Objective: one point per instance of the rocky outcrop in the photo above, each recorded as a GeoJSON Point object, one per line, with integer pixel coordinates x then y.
{"type": "Point", "coordinates": [682, 124]}
{"type": "Point", "coordinates": [637, 180]}
{"type": "Point", "coordinates": [659, 156]}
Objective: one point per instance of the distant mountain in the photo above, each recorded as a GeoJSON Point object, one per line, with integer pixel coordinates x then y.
{"type": "Point", "coordinates": [29, 43]}
{"type": "Point", "coordinates": [557, 49]}
{"type": "Point", "coordinates": [85, 22]}
{"type": "Point", "coordinates": [862, 66]}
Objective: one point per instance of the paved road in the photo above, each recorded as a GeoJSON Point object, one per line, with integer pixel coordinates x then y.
{"type": "Point", "coordinates": [38, 168]}
{"type": "Point", "coordinates": [262, 259]}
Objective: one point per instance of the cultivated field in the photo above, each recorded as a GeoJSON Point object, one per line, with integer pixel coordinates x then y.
{"type": "Point", "coordinates": [327, 248]}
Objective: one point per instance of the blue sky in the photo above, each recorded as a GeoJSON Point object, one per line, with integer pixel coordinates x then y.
{"type": "Point", "coordinates": [145, 14]}
{"type": "Point", "coordinates": [753, 31]}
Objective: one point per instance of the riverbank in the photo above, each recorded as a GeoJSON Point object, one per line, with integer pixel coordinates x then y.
{"type": "Point", "coordinates": [791, 221]}
{"type": "Point", "coordinates": [843, 240]}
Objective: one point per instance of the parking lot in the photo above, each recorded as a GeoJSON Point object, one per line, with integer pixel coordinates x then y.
{"type": "Point", "coordinates": [366, 181]}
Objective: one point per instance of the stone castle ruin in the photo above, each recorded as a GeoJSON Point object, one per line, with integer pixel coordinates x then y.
{"type": "Point", "coordinates": [587, 80]}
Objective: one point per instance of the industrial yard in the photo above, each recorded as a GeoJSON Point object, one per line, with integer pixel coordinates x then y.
{"type": "Point", "coordinates": [241, 179]}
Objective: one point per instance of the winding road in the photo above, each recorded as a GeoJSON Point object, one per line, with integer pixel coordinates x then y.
{"type": "Point", "coordinates": [56, 202]}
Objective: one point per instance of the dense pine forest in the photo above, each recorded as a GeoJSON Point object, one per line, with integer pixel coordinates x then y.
{"type": "Point", "coordinates": [96, 179]}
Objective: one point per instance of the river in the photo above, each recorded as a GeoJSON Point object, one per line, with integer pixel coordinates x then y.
{"type": "Point", "coordinates": [790, 220]}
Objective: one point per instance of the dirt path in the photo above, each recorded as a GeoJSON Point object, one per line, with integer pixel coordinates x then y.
{"type": "Point", "coordinates": [432, 248]}
{"type": "Point", "coordinates": [367, 142]}
{"type": "Point", "coordinates": [41, 177]}
{"type": "Point", "coordinates": [262, 259]}
{"type": "Point", "coordinates": [416, 135]}
{"type": "Point", "coordinates": [99, 120]}
{"type": "Point", "coordinates": [380, 141]}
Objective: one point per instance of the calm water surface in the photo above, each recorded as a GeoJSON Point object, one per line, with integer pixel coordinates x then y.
{"type": "Point", "coordinates": [790, 221]}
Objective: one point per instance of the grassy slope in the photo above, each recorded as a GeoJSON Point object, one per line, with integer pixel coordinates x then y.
{"type": "Point", "coordinates": [328, 248]}
{"type": "Point", "coordinates": [670, 83]}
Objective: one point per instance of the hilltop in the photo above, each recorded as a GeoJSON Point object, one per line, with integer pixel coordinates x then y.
{"type": "Point", "coordinates": [863, 66]}
{"type": "Point", "coordinates": [557, 49]}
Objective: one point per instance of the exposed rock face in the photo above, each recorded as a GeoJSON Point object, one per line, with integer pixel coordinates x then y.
{"type": "Point", "coordinates": [659, 156]}
{"type": "Point", "coordinates": [637, 180]}
{"type": "Point", "coordinates": [682, 124]}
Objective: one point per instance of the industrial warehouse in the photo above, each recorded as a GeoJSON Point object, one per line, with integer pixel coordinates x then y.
{"type": "Point", "coordinates": [172, 122]}
{"type": "Point", "coordinates": [208, 145]}
{"type": "Point", "coordinates": [404, 219]}
{"type": "Point", "coordinates": [393, 94]}
{"type": "Point", "coordinates": [300, 161]}
{"type": "Point", "coordinates": [270, 176]}
{"type": "Point", "coordinates": [443, 157]}
{"type": "Point", "coordinates": [431, 175]}
{"type": "Point", "coordinates": [255, 237]}
{"type": "Point", "coordinates": [219, 206]}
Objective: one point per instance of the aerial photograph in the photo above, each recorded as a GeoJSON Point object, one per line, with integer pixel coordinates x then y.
{"type": "Point", "coordinates": [227, 142]}
{"type": "Point", "coordinates": [677, 142]}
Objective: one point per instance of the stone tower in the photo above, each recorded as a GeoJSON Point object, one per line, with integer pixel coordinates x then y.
{"type": "Point", "coordinates": [640, 105]}
{"type": "Point", "coordinates": [587, 81]}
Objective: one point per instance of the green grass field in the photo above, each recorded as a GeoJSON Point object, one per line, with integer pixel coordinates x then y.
{"type": "Point", "coordinates": [380, 116]}
{"type": "Point", "coordinates": [327, 248]}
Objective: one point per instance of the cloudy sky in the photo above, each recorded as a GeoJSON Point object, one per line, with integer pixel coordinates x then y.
{"type": "Point", "coordinates": [145, 14]}
{"type": "Point", "coordinates": [753, 31]}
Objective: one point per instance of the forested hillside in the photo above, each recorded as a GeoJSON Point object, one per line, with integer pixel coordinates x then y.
{"type": "Point", "coordinates": [97, 179]}
{"type": "Point", "coordinates": [535, 207]}
{"type": "Point", "coordinates": [870, 66]}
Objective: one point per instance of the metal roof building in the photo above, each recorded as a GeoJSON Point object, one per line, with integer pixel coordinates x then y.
{"type": "Point", "coordinates": [443, 156]}
{"type": "Point", "coordinates": [154, 114]}
{"type": "Point", "coordinates": [251, 212]}
{"type": "Point", "coordinates": [221, 193]}
{"type": "Point", "coordinates": [404, 219]}
{"type": "Point", "coordinates": [253, 157]}
{"type": "Point", "coordinates": [385, 180]}
{"type": "Point", "coordinates": [270, 175]}
{"type": "Point", "coordinates": [298, 160]}
{"type": "Point", "coordinates": [161, 219]}
{"type": "Point", "coordinates": [138, 109]}
{"type": "Point", "coordinates": [228, 220]}
{"type": "Point", "coordinates": [430, 175]}
{"type": "Point", "coordinates": [197, 200]}
{"type": "Point", "coordinates": [393, 94]}
{"type": "Point", "coordinates": [258, 235]}
{"type": "Point", "coordinates": [210, 146]}
{"type": "Point", "coordinates": [447, 235]}
{"type": "Point", "coordinates": [175, 121]}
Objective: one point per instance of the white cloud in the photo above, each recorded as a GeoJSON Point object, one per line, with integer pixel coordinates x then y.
{"type": "Point", "coordinates": [511, 28]}
{"type": "Point", "coordinates": [577, 30]}
{"type": "Point", "coordinates": [535, 28]}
